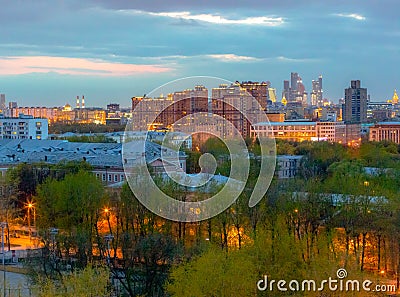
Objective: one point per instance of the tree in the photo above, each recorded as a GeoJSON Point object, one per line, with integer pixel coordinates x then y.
{"type": "Point", "coordinates": [71, 205]}
{"type": "Point", "coordinates": [87, 282]}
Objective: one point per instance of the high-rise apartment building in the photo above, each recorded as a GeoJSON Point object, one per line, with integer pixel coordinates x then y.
{"type": "Point", "coordinates": [169, 109]}
{"type": "Point", "coordinates": [258, 90]}
{"type": "Point", "coordinates": [355, 105]}
{"type": "Point", "coordinates": [232, 103]}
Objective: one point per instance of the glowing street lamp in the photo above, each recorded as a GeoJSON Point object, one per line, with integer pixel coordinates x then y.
{"type": "Point", "coordinates": [107, 213]}
{"type": "Point", "coordinates": [30, 205]}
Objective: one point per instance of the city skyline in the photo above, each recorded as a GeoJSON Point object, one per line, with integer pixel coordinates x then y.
{"type": "Point", "coordinates": [113, 51]}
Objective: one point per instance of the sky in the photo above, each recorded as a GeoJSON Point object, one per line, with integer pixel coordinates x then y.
{"type": "Point", "coordinates": [53, 50]}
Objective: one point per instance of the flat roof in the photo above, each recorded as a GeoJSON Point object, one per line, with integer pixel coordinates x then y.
{"type": "Point", "coordinates": [286, 124]}
{"type": "Point", "coordinates": [388, 123]}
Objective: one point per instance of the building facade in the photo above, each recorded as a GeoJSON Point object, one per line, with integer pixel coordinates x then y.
{"type": "Point", "coordinates": [287, 166]}
{"type": "Point", "coordinates": [168, 110]}
{"type": "Point", "coordinates": [24, 127]}
{"type": "Point", "coordinates": [356, 101]}
{"type": "Point", "coordinates": [317, 92]}
{"type": "Point", "coordinates": [386, 131]}
{"type": "Point", "coordinates": [259, 90]}
{"type": "Point", "coordinates": [299, 131]}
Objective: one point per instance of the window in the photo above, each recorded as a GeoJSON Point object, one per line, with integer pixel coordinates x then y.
{"type": "Point", "coordinates": [109, 177]}
{"type": "Point", "coordinates": [115, 177]}
{"type": "Point", "coordinates": [122, 177]}
{"type": "Point", "coordinates": [104, 177]}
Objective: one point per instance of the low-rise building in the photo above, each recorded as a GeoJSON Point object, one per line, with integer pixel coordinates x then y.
{"type": "Point", "coordinates": [105, 158]}
{"type": "Point", "coordinates": [310, 131]}
{"type": "Point", "coordinates": [287, 166]}
{"type": "Point", "coordinates": [389, 131]}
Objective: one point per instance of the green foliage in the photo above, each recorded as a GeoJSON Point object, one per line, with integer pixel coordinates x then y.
{"type": "Point", "coordinates": [192, 161]}
{"type": "Point", "coordinates": [215, 273]}
{"type": "Point", "coordinates": [90, 139]}
{"type": "Point", "coordinates": [59, 128]}
{"type": "Point", "coordinates": [347, 168]}
{"type": "Point", "coordinates": [71, 205]}
{"type": "Point", "coordinates": [70, 202]}
{"type": "Point", "coordinates": [285, 147]}
{"type": "Point", "coordinates": [214, 146]}
{"type": "Point", "coordinates": [380, 154]}
{"type": "Point", "coordinates": [319, 156]}
{"type": "Point", "coordinates": [87, 282]}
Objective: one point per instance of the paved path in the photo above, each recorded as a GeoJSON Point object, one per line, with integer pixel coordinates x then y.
{"type": "Point", "coordinates": [16, 285]}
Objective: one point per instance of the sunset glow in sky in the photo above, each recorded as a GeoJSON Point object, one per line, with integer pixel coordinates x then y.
{"type": "Point", "coordinates": [50, 51]}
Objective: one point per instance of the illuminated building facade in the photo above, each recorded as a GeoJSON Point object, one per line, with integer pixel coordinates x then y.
{"type": "Point", "coordinates": [386, 131]}
{"type": "Point", "coordinates": [310, 131]}
{"type": "Point", "coordinates": [317, 92]}
{"type": "Point", "coordinates": [260, 91]}
{"type": "Point", "coordinates": [233, 95]}
{"type": "Point", "coordinates": [169, 109]}
{"type": "Point", "coordinates": [61, 114]}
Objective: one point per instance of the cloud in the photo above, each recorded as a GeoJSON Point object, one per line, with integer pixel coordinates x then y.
{"type": "Point", "coordinates": [270, 21]}
{"type": "Point", "coordinates": [232, 58]}
{"type": "Point", "coordinates": [74, 66]}
{"type": "Point", "coordinates": [295, 60]}
{"type": "Point", "coordinates": [219, 57]}
{"type": "Point", "coordinates": [355, 16]}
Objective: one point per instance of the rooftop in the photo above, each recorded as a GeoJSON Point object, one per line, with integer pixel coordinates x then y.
{"type": "Point", "coordinates": [97, 154]}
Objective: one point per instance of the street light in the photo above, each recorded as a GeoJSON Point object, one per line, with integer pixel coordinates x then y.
{"type": "Point", "coordinates": [30, 205]}
{"type": "Point", "coordinates": [3, 225]}
{"type": "Point", "coordinates": [108, 238]}
{"type": "Point", "coordinates": [53, 232]}
{"type": "Point", "coordinates": [107, 213]}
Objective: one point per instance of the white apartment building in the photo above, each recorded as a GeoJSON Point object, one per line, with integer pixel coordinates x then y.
{"type": "Point", "coordinates": [23, 127]}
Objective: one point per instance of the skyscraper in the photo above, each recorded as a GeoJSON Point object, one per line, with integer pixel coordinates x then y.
{"type": "Point", "coordinates": [317, 92]}
{"type": "Point", "coordinates": [294, 79]}
{"type": "Point", "coordinates": [2, 102]}
{"type": "Point", "coordinates": [295, 93]}
{"type": "Point", "coordinates": [355, 105]}
{"type": "Point", "coordinates": [286, 90]}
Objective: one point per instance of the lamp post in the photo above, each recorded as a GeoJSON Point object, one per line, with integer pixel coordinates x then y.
{"type": "Point", "coordinates": [30, 206]}
{"type": "Point", "coordinates": [107, 213]}
{"type": "Point", "coordinates": [108, 238]}
{"type": "Point", "coordinates": [3, 225]}
{"type": "Point", "coordinates": [53, 232]}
